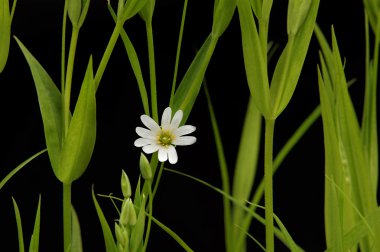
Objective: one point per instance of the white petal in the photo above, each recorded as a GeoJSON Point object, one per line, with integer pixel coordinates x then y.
{"type": "Point", "coordinates": [146, 133]}
{"type": "Point", "coordinates": [184, 130]}
{"type": "Point", "coordinates": [162, 154]}
{"type": "Point", "coordinates": [173, 157]}
{"type": "Point", "coordinates": [185, 140]}
{"type": "Point", "coordinates": [150, 123]}
{"type": "Point", "coordinates": [166, 117]}
{"type": "Point", "coordinates": [148, 149]}
{"type": "Point", "coordinates": [176, 120]}
{"type": "Point", "coordinates": [143, 141]}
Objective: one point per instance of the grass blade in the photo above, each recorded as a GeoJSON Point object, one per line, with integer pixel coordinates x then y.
{"type": "Point", "coordinates": [19, 227]}
{"type": "Point", "coordinates": [35, 239]}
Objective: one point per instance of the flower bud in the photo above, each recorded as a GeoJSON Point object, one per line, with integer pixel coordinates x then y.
{"type": "Point", "coordinates": [122, 235]}
{"type": "Point", "coordinates": [297, 11]}
{"type": "Point", "coordinates": [145, 169]}
{"type": "Point", "coordinates": [128, 213]}
{"type": "Point", "coordinates": [125, 185]}
{"type": "Point", "coordinates": [77, 10]}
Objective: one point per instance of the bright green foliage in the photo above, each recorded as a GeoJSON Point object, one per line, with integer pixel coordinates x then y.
{"type": "Point", "coordinates": [80, 140]}
{"type": "Point", "coordinates": [76, 237]}
{"type": "Point", "coordinates": [5, 31]}
{"type": "Point", "coordinates": [77, 11]}
{"type": "Point", "coordinates": [146, 13]}
{"type": "Point", "coordinates": [223, 12]}
{"type": "Point", "coordinates": [297, 13]}
{"type": "Point", "coordinates": [107, 233]}
{"type": "Point", "coordinates": [49, 99]}
{"type": "Point", "coordinates": [129, 8]}
{"type": "Point", "coordinates": [246, 165]}
{"type": "Point", "coordinates": [346, 166]}
{"type": "Point", "coordinates": [289, 66]}
{"type": "Point", "coordinates": [19, 226]}
{"type": "Point", "coordinates": [35, 239]}
{"type": "Point", "coordinates": [372, 8]}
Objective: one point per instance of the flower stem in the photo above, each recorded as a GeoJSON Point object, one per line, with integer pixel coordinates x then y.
{"type": "Point", "coordinates": [107, 53]}
{"type": "Point", "coordinates": [68, 79]}
{"type": "Point", "coordinates": [152, 70]}
{"type": "Point", "coordinates": [146, 240]}
{"type": "Point", "coordinates": [66, 216]}
{"type": "Point", "coordinates": [268, 178]}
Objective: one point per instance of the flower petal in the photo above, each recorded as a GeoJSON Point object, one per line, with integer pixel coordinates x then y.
{"type": "Point", "coordinates": [172, 153]}
{"type": "Point", "coordinates": [140, 142]}
{"type": "Point", "coordinates": [184, 140]}
{"type": "Point", "coordinates": [176, 120]}
{"type": "Point", "coordinates": [184, 130]}
{"type": "Point", "coordinates": [146, 133]}
{"type": "Point", "coordinates": [150, 123]}
{"type": "Point", "coordinates": [166, 117]}
{"type": "Point", "coordinates": [148, 149]}
{"type": "Point", "coordinates": [162, 154]}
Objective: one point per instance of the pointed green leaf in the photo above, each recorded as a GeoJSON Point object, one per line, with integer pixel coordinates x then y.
{"type": "Point", "coordinates": [18, 168]}
{"type": "Point", "coordinates": [254, 60]}
{"type": "Point", "coordinates": [137, 232]}
{"type": "Point", "coordinates": [5, 31]}
{"type": "Point", "coordinates": [35, 239]}
{"type": "Point", "coordinates": [107, 233]}
{"type": "Point", "coordinates": [289, 66]}
{"type": "Point", "coordinates": [50, 102]}
{"type": "Point", "coordinates": [19, 226]}
{"type": "Point", "coordinates": [76, 238]}
{"type": "Point", "coordinates": [289, 240]}
{"type": "Point", "coordinates": [246, 164]}
{"type": "Point", "coordinates": [223, 12]}
{"type": "Point", "coordinates": [190, 85]}
{"type": "Point", "coordinates": [83, 15]}
{"type": "Point", "coordinates": [80, 140]}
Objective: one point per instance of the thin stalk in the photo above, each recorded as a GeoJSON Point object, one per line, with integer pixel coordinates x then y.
{"type": "Point", "coordinates": [268, 177]}
{"type": "Point", "coordinates": [66, 217]}
{"type": "Point", "coordinates": [223, 172]}
{"type": "Point", "coordinates": [149, 216]}
{"type": "Point", "coordinates": [69, 78]}
{"type": "Point", "coordinates": [63, 47]}
{"type": "Point", "coordinates": [107, 53]}
{"type": "Point", "coordinates": [158, 179]}
{"type": "Point", "coordinates": [180, 37]}
{"type": "Point", "coordinates": [152, 70]}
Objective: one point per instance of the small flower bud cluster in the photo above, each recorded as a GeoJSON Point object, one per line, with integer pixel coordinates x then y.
{"type": "Point", "coordinates": [127, 218]}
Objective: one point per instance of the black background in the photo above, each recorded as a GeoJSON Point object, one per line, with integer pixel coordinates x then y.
{"type": "Point", "coordinates": [190, 209]}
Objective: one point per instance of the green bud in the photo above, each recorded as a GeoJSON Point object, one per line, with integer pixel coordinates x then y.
{"type": "Point", "coordinates": [122, 235]}
{"type": "Point", "coordinates": [5, 32]}
{"type": "Point", "coordinates": [297, 12]}
{"type": "Point", "coordinates": [128, 213]}
{"type": "Point", "coordinates": [145, 169]}
{"type": "Point", "coordinates": [146, 13]}
{"type": "Point", "coordinates": [125, 185]}
{"type": "Point", "coordinates": [77, 10]}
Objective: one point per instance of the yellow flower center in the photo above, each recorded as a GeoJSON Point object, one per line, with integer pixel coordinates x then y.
{"type": "Point", "coordinates": [165, 138]}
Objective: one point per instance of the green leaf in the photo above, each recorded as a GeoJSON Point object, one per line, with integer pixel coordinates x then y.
{"type": "Point", "coordinates": [5, 31]}
{"type": "Point", "coordinates": [290, 242]}
{"type": "Point", "coordinates": [254, 58]}
{"type": "Point", "coordinates": [50, 102]}
{"type": "Point", "coordinates": [190, 85]}
{"type": "Point", "coordinates": [19, 227]}
{"type": "Point", "coordinates": [18, 168]}
{"type": "Point", "coordinates": [130, 8]}
{"type": "Point", "coordinates": [86, 5]}
{"type": "Point", "coordinates": [289, 66]}
{"type": "Point", "coordinates": [35, 239]}
{"type": "Point", "coordinates": [135, 63]}
{"type": "Point", "coordinates": [137, 233]}
{"type": "Point", "coordinates": [76, 238]}
{"type": "Point", "coordinates": [107, 233]}
{"type": "Point", "coordinates": [246, 164]}
{"type": "Point", "coordinates": [223, 13]}
{"type": "Point", "coordinates": [80, 140]}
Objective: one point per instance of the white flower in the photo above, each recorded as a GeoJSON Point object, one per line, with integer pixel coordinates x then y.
{"type": "Point", "coordinates": [164, 139]}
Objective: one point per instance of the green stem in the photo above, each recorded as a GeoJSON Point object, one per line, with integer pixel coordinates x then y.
{"type": "Point", "coordinates": [152, 70]}
{"type": "Point", "coordinates": [66, 217]}
{"type": "Point", "coordinates": [268, 177]}
{"type": "Point", "coordinates": [149, 216]}
{"type": "Point", "coordinates": [107, 53]}
{"type": "Point", "coordinates": [69, 78]}
{"type": "Point", "coordinates": [180, 37]}
{"type": "Point", "coordinates": [158, 179]}
{"type": "Point", "coordinates": [63, 47]}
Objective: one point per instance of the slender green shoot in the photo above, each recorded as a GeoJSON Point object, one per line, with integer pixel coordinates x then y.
{"type": "Point", "coordinates": [19, 227]}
